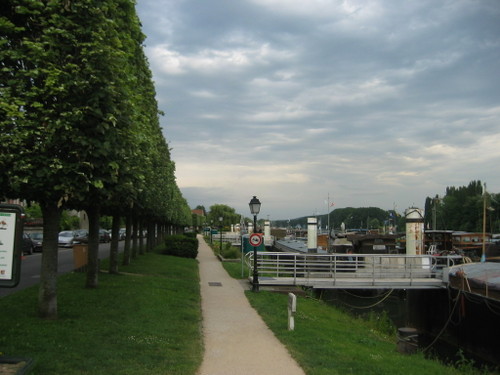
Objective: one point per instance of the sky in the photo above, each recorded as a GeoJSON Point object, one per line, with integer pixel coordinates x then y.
{"type": "Point", "coordinates": [323, 104]}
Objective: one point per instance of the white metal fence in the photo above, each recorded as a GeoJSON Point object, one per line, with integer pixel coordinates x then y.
{"type": "Point", "coordinates": [351, 270]}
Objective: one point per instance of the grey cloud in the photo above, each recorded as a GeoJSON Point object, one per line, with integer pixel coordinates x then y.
{"type": "Point", "coordinates": [376, 102]}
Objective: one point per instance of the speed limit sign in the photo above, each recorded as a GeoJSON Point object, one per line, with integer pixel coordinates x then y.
{"type": "Point", "coordinates": [256, 239]}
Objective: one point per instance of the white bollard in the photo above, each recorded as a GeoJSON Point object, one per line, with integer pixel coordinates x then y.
{"type": "Point", "coordinates": [292, 308]}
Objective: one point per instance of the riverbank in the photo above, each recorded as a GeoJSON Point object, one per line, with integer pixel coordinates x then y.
{"type": "Point", "coordinates": [148, 321]}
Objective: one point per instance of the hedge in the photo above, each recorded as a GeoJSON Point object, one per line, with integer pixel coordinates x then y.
{"type": "Point", "coordinates": [181, 246]}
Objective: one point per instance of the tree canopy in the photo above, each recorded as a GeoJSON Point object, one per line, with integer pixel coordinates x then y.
{"type": "Point", "coordinates": [79, 121]}
{"type": "Point", "coordinates": [462, 209]}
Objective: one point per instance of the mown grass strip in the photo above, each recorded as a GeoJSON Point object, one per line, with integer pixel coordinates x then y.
{"type": "Point", "coordinates": [146, 321]}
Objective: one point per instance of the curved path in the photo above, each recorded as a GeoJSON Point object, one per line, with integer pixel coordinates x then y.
{"type": "Point", "coordinates": [236, 339]}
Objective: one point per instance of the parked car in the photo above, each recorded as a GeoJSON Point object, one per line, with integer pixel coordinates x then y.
{"type": "Point", "coordinates": [66, 238]}
{"type": "Point", "coordinates": [37, 238]}
{"type": "Point", "coordinates": [81, 236]}
{"type": "Point", "coordinates": [104, 235]}
{"type": "Point", "coordinates": [122, 233]}
{"type": "Point", "coordinates": [28, 246]}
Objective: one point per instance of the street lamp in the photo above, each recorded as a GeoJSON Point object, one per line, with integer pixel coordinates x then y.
{"type": "Point", "coordinates": [220, 220]}
{"type": "Point", "coordinates": [211, 232]}
{"type": "Point", "coordinates": [254, 210]}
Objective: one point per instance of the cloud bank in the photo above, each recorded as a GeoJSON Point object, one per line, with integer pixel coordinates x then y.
{"type": "Point", "coordinates": [373, 103]}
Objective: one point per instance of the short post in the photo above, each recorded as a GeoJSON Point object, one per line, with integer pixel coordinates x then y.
{"type": "Point", "coordinates": [292, 308]}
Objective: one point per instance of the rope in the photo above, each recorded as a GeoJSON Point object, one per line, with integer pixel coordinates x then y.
{"type": "Point", "coordinates": [365, 297]}
{"type": "Point", "coordinates": [370, 306]}
{"type": "Point", "coordinates": [479, 300]}
{"type": "Point", "coordinates": [491, 308]}
{"type": "Point", "coordinates": [456, 301]}
{"type": "Point", "coordinates": [445, 325]}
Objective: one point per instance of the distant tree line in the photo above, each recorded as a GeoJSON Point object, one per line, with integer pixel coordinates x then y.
{"type": "Point", "coordinates": [353, 218]}
{"type": "Point", "coordinates": [79, 126]}
{"type": "Point", "coordinates": [463, 209]}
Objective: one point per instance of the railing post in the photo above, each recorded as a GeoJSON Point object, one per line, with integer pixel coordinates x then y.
{"type": "Point", "coordinates": [295, 269]}
{"type": "Point", "coordinates": [277, 265]}
{"type": "Point", "coordinates": [373, 270]}
{"type": "Point", "coordinates": [334, 269]}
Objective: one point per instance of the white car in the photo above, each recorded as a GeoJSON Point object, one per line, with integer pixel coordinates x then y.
{"type": "Point", "coordinates": [66, 238]}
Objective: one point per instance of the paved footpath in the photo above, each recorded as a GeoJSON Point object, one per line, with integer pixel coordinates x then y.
{"type": "Point", "coordinates": [236, 339]}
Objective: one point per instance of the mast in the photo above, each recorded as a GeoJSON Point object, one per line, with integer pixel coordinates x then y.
{"type": "Point", "coordinates": [483, 254]}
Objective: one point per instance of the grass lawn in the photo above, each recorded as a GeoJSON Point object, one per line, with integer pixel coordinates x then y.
{"type": "Point", "coordinates": [328, 341]}
{"type": "Point", "coordinates": [145, 321]}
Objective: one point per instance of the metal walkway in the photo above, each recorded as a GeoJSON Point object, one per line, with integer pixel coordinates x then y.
{"type": "Point", "coordinates": [352, 271]}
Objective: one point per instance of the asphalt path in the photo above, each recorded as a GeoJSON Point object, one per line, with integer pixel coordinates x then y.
{"type": "Point", "coordinates": [31, 265]}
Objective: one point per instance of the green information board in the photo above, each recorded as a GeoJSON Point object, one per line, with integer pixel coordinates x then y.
{"type": "Point", "coordinates": [11, 246]}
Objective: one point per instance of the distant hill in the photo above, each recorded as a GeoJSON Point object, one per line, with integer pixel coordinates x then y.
{"type": "Point", "coordinates": [360, 218]}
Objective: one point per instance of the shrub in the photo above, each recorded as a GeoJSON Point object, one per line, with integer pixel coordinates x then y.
{"type": "Point", "coordinates": [230, 252]}
{"type": "Point", "coordinates": [181, 246]}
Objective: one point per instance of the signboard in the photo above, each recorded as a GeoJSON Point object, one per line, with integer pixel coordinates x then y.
{"type": "Point", "coordinates": [255, 239]}
{"type": "Point", "coordinates": [11, 237]}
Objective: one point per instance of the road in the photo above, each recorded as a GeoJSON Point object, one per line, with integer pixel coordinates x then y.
{"type": "Point", "coordinates": [31, 264]}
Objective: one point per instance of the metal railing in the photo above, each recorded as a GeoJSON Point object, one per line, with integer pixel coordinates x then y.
{"type": "Point", "coordinates": [302, 268]}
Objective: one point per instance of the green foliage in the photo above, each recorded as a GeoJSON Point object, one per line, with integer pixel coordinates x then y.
{"type": "Point", "coordinates": [181, 246]}
{"type": "Point", "coordinates": [462, 209]}
{"type": "Point", "coordinates": [78, 117]}
{"type": "Point", "coordinates": [33, 211]}
{"type": "Point", "coordinates": [198, 220]}
{"type": "Point", "coordinates": [69, 222]}
{"type": "Point", "coordinates": [79, 124]}
{"type": "Point", "coordinates": [105, 222]}
{"type": "Point", "coordinates": [228, 214]}
{"type": "Point", "coordinates": [381, 322]}
{"type": "Point", "coordinates": [230, 252]}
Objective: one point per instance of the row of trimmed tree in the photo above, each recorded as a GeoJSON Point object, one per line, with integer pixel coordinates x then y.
{"type": "Point", "coordinates": [80, 125]}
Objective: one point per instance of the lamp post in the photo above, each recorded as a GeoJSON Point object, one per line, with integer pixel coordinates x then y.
{"type": "Point", "coordinates": [220, 220]}
{"type": "Point", "coordinates": [254, 210]}
{"type": "Point", "coordinates": [211, 233]}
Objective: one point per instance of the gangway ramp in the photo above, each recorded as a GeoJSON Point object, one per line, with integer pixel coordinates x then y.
{"type": "Point", "coordinates": [352, 271]}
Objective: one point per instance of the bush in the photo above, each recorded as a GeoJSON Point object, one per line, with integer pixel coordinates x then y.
{"type": "Point", "coordinates": [181, 246]}
{"type": "Point", "coordinates": [230, 252]}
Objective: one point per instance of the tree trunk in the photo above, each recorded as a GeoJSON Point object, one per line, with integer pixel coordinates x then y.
{"type": "Point", "coordinates": [141, 237]}
{"type": "Point", "coordinates": [128, 235]}
{"type": "Point", "coordinates": [151, 236]}
{"type": "Point", "coordinates": [93, 251]}
{"type": "Point", "coordinates": [135, 233]}
{"type": "Point", "coordinates": [113, 249]}
{"type": "Point", "coordinates": [47, 292]}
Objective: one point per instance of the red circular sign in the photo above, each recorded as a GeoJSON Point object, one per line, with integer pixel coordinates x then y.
{"type": "Point", "coordinates": [255, 239]}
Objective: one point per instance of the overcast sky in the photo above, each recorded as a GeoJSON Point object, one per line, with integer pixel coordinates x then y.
{"type": "Point", "coordinates": [372, 103]}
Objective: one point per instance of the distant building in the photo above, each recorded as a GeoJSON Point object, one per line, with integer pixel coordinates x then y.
{"type": "Point", "coordinates": [199, 212]}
